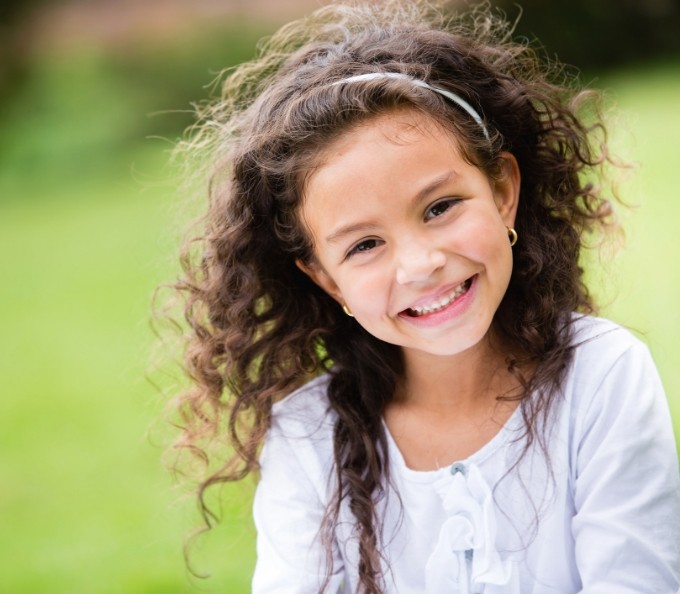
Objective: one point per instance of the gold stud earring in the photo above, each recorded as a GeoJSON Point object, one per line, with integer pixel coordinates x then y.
{"type": "Point", "coordinates": [346, 310]}
{"type": "Point", "coordinates": [512, 236]}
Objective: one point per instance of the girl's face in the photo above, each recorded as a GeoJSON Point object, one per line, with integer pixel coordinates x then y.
{"type": "Point", "coordinates": [410, 236]}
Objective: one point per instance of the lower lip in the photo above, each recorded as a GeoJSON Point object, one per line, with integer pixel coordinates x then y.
{"type": "Point", "coordinates": [452, 310]}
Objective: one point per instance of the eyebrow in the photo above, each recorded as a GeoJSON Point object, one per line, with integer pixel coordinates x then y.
{"type": "Point", "coordinates": [434, 185]}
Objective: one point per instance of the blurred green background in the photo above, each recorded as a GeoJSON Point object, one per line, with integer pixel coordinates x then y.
{"type": "Point", "coordinates": [92, 96]}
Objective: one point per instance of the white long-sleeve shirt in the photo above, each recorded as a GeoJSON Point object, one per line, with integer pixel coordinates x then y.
{"type": "Point", "coordinates": [603, 517]}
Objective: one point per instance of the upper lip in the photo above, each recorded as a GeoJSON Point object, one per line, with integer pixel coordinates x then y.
{"type": "Point", "coordinates": [432, 298]}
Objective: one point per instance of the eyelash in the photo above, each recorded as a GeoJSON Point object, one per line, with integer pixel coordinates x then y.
{"type": "Point", "coordinates": [448, 203]}
{"type": "Point", "coordinates": [361, 247]}
{"type": "Point", "coordinates": [357, 249]}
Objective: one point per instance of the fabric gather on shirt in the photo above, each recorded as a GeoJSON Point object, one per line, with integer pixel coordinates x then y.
{"type": "Point", "coordinates": [465, 558]}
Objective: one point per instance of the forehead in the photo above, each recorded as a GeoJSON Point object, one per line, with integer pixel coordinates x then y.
{"type": "Point", "coordinates": [374, 138]}
{"type": "Point", "coordinates": [400, 127]}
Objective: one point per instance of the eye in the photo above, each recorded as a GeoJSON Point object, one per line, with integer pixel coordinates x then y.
{"type": "Point", "coordinates": [439, 208]}
{"type": "Point", "coordinates": [365, 245]}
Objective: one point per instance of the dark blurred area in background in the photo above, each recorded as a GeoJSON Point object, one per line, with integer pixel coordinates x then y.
{"type": "Point", "coordinates": [594, 35]}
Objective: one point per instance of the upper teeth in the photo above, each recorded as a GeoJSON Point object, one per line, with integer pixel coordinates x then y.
{"type": "Point", "coordinates": [442, 302]}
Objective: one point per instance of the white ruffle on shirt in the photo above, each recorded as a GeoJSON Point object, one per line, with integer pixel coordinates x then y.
{"type": "Point", "coordinates": [465, 558]}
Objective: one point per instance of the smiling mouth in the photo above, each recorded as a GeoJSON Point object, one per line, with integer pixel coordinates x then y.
{"type": "Point", "coordinates": [441, 303]}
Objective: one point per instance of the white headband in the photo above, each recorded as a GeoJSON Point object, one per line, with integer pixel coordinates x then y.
{"type": "Point", "coordinates": [420, 83]}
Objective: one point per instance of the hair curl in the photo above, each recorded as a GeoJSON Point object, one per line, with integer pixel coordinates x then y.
{"type": "Point", "coordinates": [258, 327]}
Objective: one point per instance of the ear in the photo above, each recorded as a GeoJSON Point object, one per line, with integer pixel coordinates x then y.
{"type": "Point", "coordinates": [506, 188]}
{"type": "Point", "coordinates": [321, 278]}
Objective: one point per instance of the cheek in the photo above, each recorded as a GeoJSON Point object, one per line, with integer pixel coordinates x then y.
{"type": "Point", "coordinates": [366, 291]}
{"type": "Point", "coordinates": [483, 238]}
{"type": "Point", "coordinates": [484, 241]}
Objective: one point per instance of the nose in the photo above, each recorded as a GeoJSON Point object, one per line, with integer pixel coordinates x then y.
{"type": "Point", "coordinates": [417, 262]}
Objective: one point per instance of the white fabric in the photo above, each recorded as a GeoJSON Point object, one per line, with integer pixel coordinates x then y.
{"type": "Point", "coordinates": [602, 518]}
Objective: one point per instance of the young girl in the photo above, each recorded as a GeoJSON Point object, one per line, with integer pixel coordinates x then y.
{"type": "Point", "coordinates": [389, 321]}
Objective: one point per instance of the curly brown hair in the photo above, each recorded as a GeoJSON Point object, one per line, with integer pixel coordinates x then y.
{"type": "Point", "coordinates": [258, 327]}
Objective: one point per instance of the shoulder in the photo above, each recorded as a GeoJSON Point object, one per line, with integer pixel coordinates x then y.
{"type": "Point", "coordinates": [613, 380]}
{"type": "Point", "coordinates": [601, 345]}
{"type": "Point", "coordinates": [306, 411]}
{"type": "Point", "coordinates": [298, 447]}
{"type": "Point", "coordinates": [600, 333]}
{"type": "Point", "coordinates": [301, 430]}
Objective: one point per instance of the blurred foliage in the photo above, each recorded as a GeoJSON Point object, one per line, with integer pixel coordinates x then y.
{"type": "Point", "coordinates": [76, 113]}
{"type": "Point", "coordinates": [13, 61]}
{"type": "Point", "coordinates": [597, 34]}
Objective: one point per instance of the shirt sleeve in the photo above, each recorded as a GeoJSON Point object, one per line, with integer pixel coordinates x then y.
{"type": "Point", "coordinates": [626, 484]}
{"type": "Point", "coordinates": [288, 510]}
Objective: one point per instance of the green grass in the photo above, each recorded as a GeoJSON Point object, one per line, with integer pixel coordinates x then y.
{"type": "Point", "coordinates": [87, 231]}
{"type": "Point", "coordinates": [646, 284]}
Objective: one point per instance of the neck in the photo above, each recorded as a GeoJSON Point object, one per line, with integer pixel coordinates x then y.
{"type": "Point", "coordinates": [447, 408]}
{"type": "Point", "coordinates": [455, 383]}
